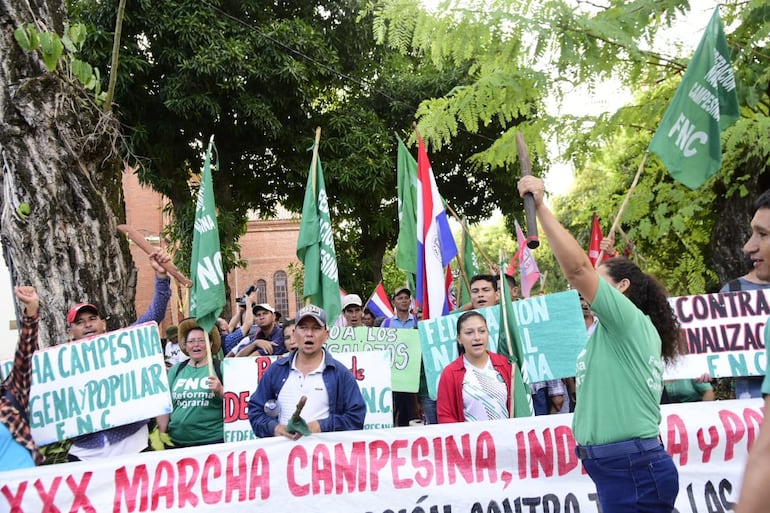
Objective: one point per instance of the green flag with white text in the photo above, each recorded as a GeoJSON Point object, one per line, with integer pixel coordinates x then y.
{"type": "Point", "coordinates": [315, 246]}
{"type": "Point", "coordinates": [207, 296]}
{"type": "Point", "coordinates": [688, 140]}
{"type": "Point", "coordinates": [509, 344]}
{"type": "Point", "coordinates": [406, 250]}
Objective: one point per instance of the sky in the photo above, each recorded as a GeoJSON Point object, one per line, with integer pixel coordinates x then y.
{"type": "Point", "coordinates": [604, 98]}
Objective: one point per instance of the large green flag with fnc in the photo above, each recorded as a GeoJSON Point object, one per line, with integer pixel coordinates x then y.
{"type": "Point", "coordinates": [509, 344]}
{"type": "Point", "coordinates": [315, 246]}
{"type": "Point", "coordinates": [688, 139]}
{"type": "Point", "coordinates": [207, 297]}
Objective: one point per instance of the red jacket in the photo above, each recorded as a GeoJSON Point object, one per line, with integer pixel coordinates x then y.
{"type": "Point", "coordinates": [449, 401]}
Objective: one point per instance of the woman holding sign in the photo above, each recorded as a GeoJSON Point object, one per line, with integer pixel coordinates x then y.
{"type": "Point", "coordinates": [619, 373]}
{"type": "Point", "coordinates": [477, 385]}
{"type": "Point", "coordinates": [196, 396]}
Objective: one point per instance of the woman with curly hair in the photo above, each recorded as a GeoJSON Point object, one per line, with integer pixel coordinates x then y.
{"type": "Point", "coordinates": [619, 373]}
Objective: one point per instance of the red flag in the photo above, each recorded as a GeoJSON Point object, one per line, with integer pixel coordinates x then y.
{"type": "Point", "coordinates": [449, 285]}
{"type": "Point", "coordinates": [596, 238]}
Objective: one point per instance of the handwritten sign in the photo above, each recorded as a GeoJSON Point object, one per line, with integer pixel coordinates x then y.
{"type": "Point", "coordinates": [552, 331]}
{"type": "Point", "coordinates": [97, 383]}
{"type": "Point", "coordinates": [402, 345]}
{"type": "Point", "coordinates": [242, 375]}
{"type": "Point", "coordinates": [724, 334]}
{"type": "Point", "coordinates": [510, 465]}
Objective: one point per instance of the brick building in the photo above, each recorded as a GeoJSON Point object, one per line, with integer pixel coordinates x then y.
{"type": "Point", "coordinates": [268, 247]}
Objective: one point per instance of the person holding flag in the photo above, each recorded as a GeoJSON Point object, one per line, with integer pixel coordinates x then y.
{"type": "Point", "coordinates": [477, 385]}
{"type": "Point", "coordinates": [619, 373]}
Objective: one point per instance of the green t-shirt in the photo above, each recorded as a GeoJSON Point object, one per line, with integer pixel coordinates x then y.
{"type": "Point", "coordinates": [766, 381]}
{"type": "Point", "coordinates": [619, 374]}
{"type": "Point", "coordinates": [686, 390]}
{"type": "Point", "coordinates": [197, 417]}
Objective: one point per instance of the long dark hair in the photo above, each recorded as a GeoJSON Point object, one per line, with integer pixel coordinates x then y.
{"type": "Point", "coordinates": [650, 297]}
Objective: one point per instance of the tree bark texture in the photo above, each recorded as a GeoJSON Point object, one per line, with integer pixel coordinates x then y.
{"type": "Point", "coordinates": [58, 156]}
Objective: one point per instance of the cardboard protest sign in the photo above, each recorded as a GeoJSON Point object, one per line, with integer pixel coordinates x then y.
{"type": "Point", "coordinates": [724, 334]}
{"type": "Point", "coordinates": [551, 327]}
{"type": "Point", "coordinates": [97, 383]}
{"type": "Point", "coordinates": [242, 375]}
{"type": "Point", "coordinates": [510, 465]}
{"type": "Point", "coordinates": [402, 346]}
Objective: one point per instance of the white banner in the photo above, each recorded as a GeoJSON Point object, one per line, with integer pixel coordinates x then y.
{"type": "Point", "coordinates": [370, 368]}
{"type": "Point", "coordinates": [517, 465]}
{"type": "Point", "coordinates": [97, 383]}
{"type": "Point", "coordinates": [724, 334]}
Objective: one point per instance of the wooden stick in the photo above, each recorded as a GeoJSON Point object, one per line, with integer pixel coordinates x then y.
{"type": "Point", "coordinates": [529, 200]}
{"type": "Point", "coordinates": [478, 247]}
{"type": "Point", "coordinates": [512, 413]}
{"type": "Point", "coordinates": [148, 248]}
{"type": "Point", "coordinates": [622, 207]}
{"type": "Point", "coordinates": [208, 353]}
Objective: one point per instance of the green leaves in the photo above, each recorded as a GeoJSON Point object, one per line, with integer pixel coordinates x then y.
{"type": "Point", "coordinates": [26, 37]}
{"type": "Point", "coordinates": [52, 48]}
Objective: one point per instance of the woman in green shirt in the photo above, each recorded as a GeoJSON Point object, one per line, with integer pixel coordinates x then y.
{"type": "Point", "coordinates": [619, 374]}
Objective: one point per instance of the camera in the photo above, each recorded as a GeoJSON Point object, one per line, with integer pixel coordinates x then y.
{"type": "Point", "coordinates": [242, 300]}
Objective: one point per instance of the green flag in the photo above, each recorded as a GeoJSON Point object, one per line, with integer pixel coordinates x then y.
{"type": "Point", "coordinates": [207, 296]}
{"type": "Point", "coordinates": [315, 246]}
{"type": "Point", "coordinates": [406, 252]}
{"type": "Point", "coordinates": [688, 139]}
{"type": "Point", "coordinates": [470, 265]}
{"type": "Point", "coordinates": [509, 344]}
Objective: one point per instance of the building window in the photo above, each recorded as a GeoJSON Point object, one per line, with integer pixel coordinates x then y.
{"type": "Point", "coordinates": [298, 300]}
{"type": "Point", "coordinates": [261, 291]}
{"type": "Point", "coordinates": [281, 290]}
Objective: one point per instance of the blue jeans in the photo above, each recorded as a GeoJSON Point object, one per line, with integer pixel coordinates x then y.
{"type": "Point", "coordinates": [642, 482]}
{"type": "Point", "coordinates": [540, 402]}
{"type": "Point", "coordinates": [429, 410]}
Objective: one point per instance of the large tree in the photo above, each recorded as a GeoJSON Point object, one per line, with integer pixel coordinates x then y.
{"type": "Point", "coordinates": [61, 179]}
{"type": "Point", "coordinates": [692, 239]}
{"type": "Point", "coordinates": [261, 76]}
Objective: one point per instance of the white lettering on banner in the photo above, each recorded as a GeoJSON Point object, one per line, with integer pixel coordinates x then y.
{"type": "Point", "coordinates": [328, 265]}
{"type": "Point", "coordinates": [721, 73]}
{"type": "Point", "coordinates": [706, 100]}
{"type": "Point", "coordinates": [210, 272]}
{"type": "Point", "coordinates": [535, 310]}
{"type": "Point", "coordinates": [687, 136]}
{"type": "Point", "coordinates": [204, 224]}
{"type": "Point", "coordinates": [323, 201]}
{"type": "Point", "coordinates": [515, 465]}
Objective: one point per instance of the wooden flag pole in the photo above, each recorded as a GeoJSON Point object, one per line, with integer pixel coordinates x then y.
{"type": "Point", "coordinates": [461, 260]}
{"type": "Point", "coordinates": [504, 320]}
{"type": "Point", "coordinates": [529, 200]}
{"type": "Point", "coordinates": [623, 207]}
{"type": "Point", "coordinates": [466, 230]}
{"type": "Point", "coordinates": [208, 353]}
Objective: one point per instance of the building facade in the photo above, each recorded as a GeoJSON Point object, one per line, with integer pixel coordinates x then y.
{"type": "Point", "coordinates": [268, 247]}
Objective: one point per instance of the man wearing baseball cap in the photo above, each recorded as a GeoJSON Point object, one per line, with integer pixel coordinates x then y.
{"type": "Point", "coordinates": [84, 320]}
{"type": "Point", "coordinates": [351, 309]}
{"type": "Point", "coordinates": [334, 401]}
{"type": "Point", "coordinates": [268, 340]}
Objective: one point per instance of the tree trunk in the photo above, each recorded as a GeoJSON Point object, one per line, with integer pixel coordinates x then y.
{"type": "Point", "coordinates": [58, 156]}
